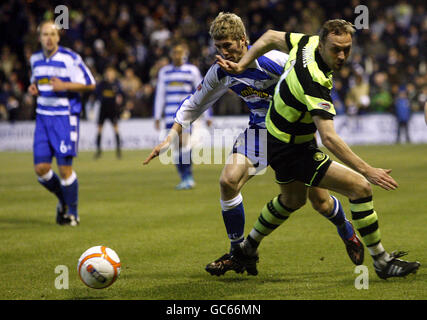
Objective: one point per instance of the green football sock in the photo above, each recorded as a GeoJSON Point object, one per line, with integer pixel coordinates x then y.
{"type": "Point", "coordinates": [272, 215]}
{"type": "Point", "coordinates": [365, 220]}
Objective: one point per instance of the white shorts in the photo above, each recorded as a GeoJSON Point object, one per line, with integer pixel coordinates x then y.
{"type": "Point", "coordinates": [252, 143]}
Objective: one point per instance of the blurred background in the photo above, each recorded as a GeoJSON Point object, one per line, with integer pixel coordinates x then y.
{"type": "Point", "coordinates": [388, 65]}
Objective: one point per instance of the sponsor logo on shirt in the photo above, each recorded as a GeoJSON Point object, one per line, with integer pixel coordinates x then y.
{"type": "Point", "coordinates": [324, 105]}
{"type": "Point", "coordinates": [249, 91]}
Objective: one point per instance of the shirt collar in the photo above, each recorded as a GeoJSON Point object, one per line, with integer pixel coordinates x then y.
{"type": "Point", "coordinates": [322, 64]}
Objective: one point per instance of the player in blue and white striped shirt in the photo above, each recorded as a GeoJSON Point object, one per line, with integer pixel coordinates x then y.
{"type": "Point", "coordinates": [256, 87]}
{"type": "Point", "coordinates": [58, 77]}
{"type": "Point", "coordinates": [175, 82]}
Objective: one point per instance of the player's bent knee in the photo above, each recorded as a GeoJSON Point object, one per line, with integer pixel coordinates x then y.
{"type": "Point", "coordinates": [362, 189]}
{"type": "Point", "coordinates": [65, 171]}
{"type": "Point", "coordinates": [229, 183]}
{"type": "Point", "coordinates": [320, 205]}
{"type": "Point", "coordinates": [293, 202]}
{"type": "Point", "coordinates": [42, 168]}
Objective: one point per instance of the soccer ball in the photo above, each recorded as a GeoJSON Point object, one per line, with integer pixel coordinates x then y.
{"type": "Point", "coordinates": [99, 267]}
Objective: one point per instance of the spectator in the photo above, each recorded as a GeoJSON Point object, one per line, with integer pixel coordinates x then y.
{"type": "Point", "coordinates": [403, 14]}
{"type": "Point", "coordinates": [3, 112]}
{"type": "Point", "coordinates": [375, 48]}
{"type": "Point", "coordinates": [160, 34]}
{"type": "Point", "coordinates": [403, 114]}
{"type": "Point", "coordinates": [8, 60]}
{"type": "Point", "coordinates": [336, 99]}
{"type": "Point", "coordinates": [357, 99]}
{"type": "Point", "coordinates": [9, 101]}
{"type": "Point", "coordinates": [12, 106]}
{"type": "Point", "coordinates": [131, 86]}
{"type": "Point", "coordinates": [381, 98]}
{"type": "Point", "coordinates": [412, 93]}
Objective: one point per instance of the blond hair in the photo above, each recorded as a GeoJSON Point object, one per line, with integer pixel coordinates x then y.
{"type": "Point", "coordinates": [336, 26]}
{"type": "Point", "coordinates": [49, 21]}
{"type": "Point", "coordinates": [228, 25]}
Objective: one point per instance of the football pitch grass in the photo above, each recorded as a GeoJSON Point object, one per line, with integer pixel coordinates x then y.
{"type": "Point", "coordinates": [165, 237]}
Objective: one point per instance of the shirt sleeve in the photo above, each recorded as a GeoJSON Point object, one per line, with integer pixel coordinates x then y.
{"type": "Point", "coordinates": [80, 73]}
{"type": "Point", "coordinates": [206, 94]}
{"type": "Point", "coordinates": [317, 94]}
{"type": "Point", "coordinates": [32, 77]}
{"type": "Point", "coordinates": [197, 79]}
{"type": "Point", "coordinates": [318, 106]}
{"type": "Point", "coordinates": [292, 39]}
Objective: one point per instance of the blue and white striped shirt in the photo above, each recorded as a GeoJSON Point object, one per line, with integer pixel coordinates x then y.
{"type": "Point", "coordinates": [255, 86]}
{"type": "Point", "coordinates": [174, 84]}
{"type": "Point", "coordinates": [67, 66]}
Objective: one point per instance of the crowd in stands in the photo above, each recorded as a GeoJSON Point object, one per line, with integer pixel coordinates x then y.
{"type": "Point", "coordinates": [388, 68]}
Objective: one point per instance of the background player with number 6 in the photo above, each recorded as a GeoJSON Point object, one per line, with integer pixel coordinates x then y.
{"type": "Point", "coordinates": [58, 77]}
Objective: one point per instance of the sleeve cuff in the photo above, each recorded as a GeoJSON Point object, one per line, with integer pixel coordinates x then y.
{"type": "Point", "coordinates": [322, 113]}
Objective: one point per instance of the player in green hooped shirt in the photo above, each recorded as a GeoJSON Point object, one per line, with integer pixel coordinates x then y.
{"type": "Point", "coordinates": [301, 106]}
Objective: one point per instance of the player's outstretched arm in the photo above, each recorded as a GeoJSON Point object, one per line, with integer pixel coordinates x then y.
{"type": "Point", "coordinates": [334, 143]}
{"type": "Point", "coordinates": [270, 40]}
{"type": "Point", "coordinates": [174, 133]}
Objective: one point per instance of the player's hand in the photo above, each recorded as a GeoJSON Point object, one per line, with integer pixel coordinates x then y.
{"type": "Point", "coordinates": [58, 84]}
{"type": "Point", "coordinates": [163, 146]}
{"type": "Point", "coordinates": [229, 66]}
{"type": "Point", "coordinates": [32, 89]}
{"type": "Point", "coordinates": [381, 178]}
{"type": "Point", "coordinates": [119, 99]}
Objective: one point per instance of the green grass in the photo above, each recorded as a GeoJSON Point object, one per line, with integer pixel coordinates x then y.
{"type": "Point", "coordinates": [166, 237]}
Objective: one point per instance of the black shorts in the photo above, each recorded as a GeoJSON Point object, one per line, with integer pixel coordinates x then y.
{"type": "Point", "coordinates": [108, 114]}
{"type": "Point", "coordinates": [303, 162]}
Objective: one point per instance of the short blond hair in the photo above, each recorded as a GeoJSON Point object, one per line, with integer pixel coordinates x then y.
{"type": "Point", "coordinates": [336, 26]}
{"type": "Point", "coordinates": [49, 21]}
{"type": "Point", "coordinates": [228, 25]}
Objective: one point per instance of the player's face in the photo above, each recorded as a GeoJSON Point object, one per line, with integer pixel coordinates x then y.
{"type": "Point", "coordinates": [178, 55]}
{"type": "Point", "coordinates": [336, 50]}
{"type": "Point", "coordinates": [110, 75]}
{"type": "Point", "coordinates": [49, 37]}
{"type": "Point", "coordinates": [231, 49]}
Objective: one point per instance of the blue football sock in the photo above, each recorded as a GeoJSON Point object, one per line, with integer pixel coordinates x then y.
{"type": "Point", "coordinates": [186, 163]}
{"type": "Point", "coordinates": [183, 164]}
{"type": "Point", "coordinates": [346, 230]}
{"type": "Point", "coordinates": [338, 218]}
{"type": "Point", "coordinates": [180, 169]}
{"type": "Point", "coordinates": [70, 189]}
{"type": "Point", "coordinates": [233, 214]}
{"type": "Point", "coordinates": [188, 172]}
{"type": "Point", "coordinates": [52, 183]}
